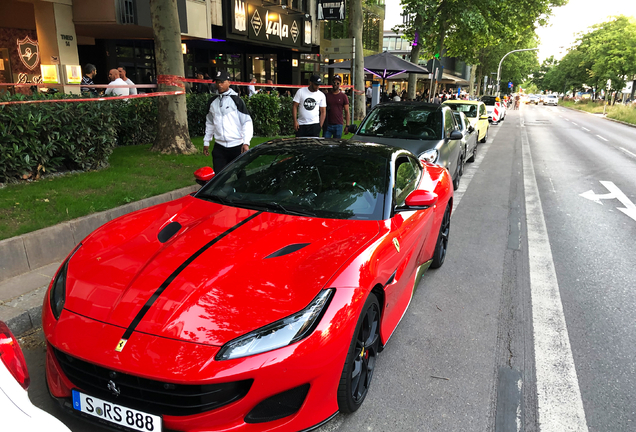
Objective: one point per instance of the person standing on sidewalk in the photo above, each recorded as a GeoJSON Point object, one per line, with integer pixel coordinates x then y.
{"type": "Point", "coordinates": [337, 102]}
{"type": "Point", "coordinates": [309, 109]}
{"type": "Point", "coordinates": [115, 80]}
{"type": "Point", "coordinates": [122, 75]}
{"type": "Point", "coordinates": [228, 122]}
{"type": "Point", "coordinates": [89, 73]}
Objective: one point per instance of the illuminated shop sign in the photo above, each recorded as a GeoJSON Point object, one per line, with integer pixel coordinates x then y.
{"type": "Point", "coordinates": [307, 34]}
{"type": "Point", "coordinates": [267, 25]}
{"type": "Point", "coordinates": [239, 16]}
{"type": "Point", "coordinates": [29, 52]}
{"type": "Point", "coordinates": [73, 74]}
{"type": "Point", "coordinates": [331, 10]}
{"type": "Point", "coordinates": [50, 74]}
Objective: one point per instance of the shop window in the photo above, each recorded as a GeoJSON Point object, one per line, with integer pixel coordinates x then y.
{"type": "Point", "coordinates": [125, 51]}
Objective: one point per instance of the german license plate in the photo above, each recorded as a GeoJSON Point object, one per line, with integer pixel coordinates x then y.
{"type": "Point", "coordinates": [114, 413]}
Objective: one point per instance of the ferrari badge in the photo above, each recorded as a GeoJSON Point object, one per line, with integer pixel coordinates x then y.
{"type": "Point", "coordinates": [396, 243]}
{"type": "Point", "coordinates": [121, 344]}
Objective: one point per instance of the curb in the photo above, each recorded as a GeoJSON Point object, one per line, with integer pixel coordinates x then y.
{"type": "Point", "coordinates": [29, 253]}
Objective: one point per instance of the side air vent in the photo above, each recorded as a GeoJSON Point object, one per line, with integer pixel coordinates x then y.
{"type": "Point", "coordinates": [168, 231]}
{"type": "Point", "coordinates": [287, 250]}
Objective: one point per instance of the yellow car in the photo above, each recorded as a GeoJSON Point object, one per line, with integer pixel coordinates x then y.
{"type": "Point", "coordinates": [476, 113]}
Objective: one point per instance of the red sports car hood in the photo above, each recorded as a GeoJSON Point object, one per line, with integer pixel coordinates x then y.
{"type": "Point", "coordinates": [226, 271]}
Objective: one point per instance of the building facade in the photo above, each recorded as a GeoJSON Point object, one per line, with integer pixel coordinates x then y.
{"type": "Point", "coordinates": [267, 40]}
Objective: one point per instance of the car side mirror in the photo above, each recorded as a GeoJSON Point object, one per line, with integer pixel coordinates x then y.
{"type": "Point", "coordinates": [352, 128]}
{"type": "Point", "coordinates": [418, 200]}
{"type": "Point", "coordinates": [456, 135]}
{"type": "Point", "coordinates": [484, 117]}
{"type": "Point", "coordinates": [203, 175]}
{"type": "Point", "coordinates": [471, 129]}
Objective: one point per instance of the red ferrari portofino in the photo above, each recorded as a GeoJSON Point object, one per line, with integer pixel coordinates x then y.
{"type": "Point", "coordinates": [258, 303]}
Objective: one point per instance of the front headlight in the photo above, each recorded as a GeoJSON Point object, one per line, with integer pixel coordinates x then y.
{"type": "Point", "coordinates": [279, 334]}
{"type": "Point", "coordinates": [57, 296]}
{"type": "Point", "coordinates": [58, 292]}
{"type": "Point", "coordinates": [429, 156]}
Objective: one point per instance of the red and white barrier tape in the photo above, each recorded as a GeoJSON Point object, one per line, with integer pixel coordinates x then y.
{"type": "Point", "coordinates": [170, 80]}
{"type": "Point", "coordinates": [109, 98]}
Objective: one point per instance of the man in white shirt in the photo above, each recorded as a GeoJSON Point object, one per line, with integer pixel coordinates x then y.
{"type": "Point", "coordinates": [115, 80]}
{"type": "Point", "coordinates": [252, 88]}
{"type": "Point", "coordinates": [122, 75]}
{"type": "Point", "coordinates": [309, 109]}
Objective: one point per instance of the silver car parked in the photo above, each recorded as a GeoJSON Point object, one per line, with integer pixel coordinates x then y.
{"type": "Point", "coordinates": [428, 131]}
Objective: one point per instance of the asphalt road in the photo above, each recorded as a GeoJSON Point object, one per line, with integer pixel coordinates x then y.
{"type": "Point", "coordinates": [529, 325]}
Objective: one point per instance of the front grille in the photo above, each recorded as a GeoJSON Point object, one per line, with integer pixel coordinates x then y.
{"type": "Point", "coordinates": [148, 395]}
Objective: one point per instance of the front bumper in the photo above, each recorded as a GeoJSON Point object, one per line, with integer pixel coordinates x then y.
{"type": "Point", "coordinates": [317, 361]}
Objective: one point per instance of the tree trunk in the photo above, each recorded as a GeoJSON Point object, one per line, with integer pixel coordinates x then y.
{"type": "Point", "coordinates": [172, 122]}
{"type": "Point", "coordinates": [415, 57]}
{"type": "Point", "coordinates": [471, 84]}
{"type": "Point", "coordinates": [355, 31]}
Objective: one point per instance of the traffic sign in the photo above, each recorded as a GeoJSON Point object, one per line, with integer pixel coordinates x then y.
{"type": "Point", "coordinates": [509, 84]}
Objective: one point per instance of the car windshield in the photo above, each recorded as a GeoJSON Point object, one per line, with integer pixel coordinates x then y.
{"type": "Point", "coordinates": [404, 121]}
{"type": "Point", "coordinates": [337, 181]}
{"type": "Point", "coordinates": [469, 109]}
{"type": "Point", "coordinates": [489, 100]}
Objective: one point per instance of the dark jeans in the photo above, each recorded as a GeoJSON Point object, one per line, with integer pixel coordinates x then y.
{"type": "Point", "coordinates": [222, 156]}
{"type": "Point", "coordinates": [310, 130]}
{"type": "Point", "coordinates": [333, 131]}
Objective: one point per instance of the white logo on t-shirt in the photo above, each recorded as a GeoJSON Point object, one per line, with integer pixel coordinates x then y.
{"type": "Point", "coordinates": [309, 104]}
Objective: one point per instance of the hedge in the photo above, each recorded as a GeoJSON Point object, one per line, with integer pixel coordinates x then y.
{"type": "Point", "coordinates": [39, 138]}
{"type": "Point", "coordinates": [45, 137]}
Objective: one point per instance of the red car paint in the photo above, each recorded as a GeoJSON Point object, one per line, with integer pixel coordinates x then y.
{"type": "Point", "coordinates": [232, 289]}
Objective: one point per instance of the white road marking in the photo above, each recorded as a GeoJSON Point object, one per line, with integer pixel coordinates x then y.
{"type": "Point", "coordinates": [602, 138]}
{"type": "Point", "coordinates": [575, 124]}
{"type": "Point", "coordinates": [560, 407]}
{"type": "Point", "coordinates": [628, 152]}
{"type": "Point", "coordinates": [585, 129]}
{"type": "Point", "coordinates": [614, 193]}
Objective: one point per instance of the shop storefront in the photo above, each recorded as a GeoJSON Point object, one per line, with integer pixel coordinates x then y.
{"type": "Point", "coordinates": [264, 42]}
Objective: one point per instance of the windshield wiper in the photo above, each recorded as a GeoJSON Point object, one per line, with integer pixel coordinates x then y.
{"type": "Point", "coordinates": [215, 198]}
{"type": "Point", "coordinates": [287, 210]}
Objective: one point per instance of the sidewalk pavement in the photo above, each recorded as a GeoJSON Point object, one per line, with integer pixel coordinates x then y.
{"type": "Point", "coordinates": [29, 262]}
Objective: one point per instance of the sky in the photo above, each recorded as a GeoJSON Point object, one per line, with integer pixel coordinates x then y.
{"type": "Point", "coordinates": [563, 24]}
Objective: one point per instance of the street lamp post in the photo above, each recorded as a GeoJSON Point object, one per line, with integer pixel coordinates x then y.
{"type": "Point", "coordinates": [502, 59]}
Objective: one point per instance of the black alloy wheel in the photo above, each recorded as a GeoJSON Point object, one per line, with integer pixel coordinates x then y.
{"type": "Point", "coordinates": [442, 240]}
{"type": "Point", "coordinates": [361, 358]}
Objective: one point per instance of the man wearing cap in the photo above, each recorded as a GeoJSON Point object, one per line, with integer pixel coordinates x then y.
{"type": "Point", "coordinates": [309, 109]}
{"type": "Point", "coordinates": [229, 122]}
{"type": "Point", "coordinates": [337, 102]}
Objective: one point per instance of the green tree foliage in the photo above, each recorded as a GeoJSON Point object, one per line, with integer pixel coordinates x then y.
{"type": "Point", "coordinates": [465, 28]}
{"type": "Point", "coordinates": [472, 30]}
{"type": "Point", "coordinates": [607, 51]}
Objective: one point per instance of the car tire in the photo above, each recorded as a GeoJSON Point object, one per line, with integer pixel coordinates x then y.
{"type": "Point", "coordinates": [456, 180]}
{"type": "Point", "coordinates": [483, 140]}
{"type": "Point", "coordinates": [361, 358]}
{"type": "Point", "coordinates": [442, 240]}
{"type": "Point", "coordinates": [474, 155]}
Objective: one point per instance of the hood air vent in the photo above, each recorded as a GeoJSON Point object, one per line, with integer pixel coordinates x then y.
{"type": "Point", "coordinates": [168, 231]}
{"type": "Point", "coordinates": [287, 250]}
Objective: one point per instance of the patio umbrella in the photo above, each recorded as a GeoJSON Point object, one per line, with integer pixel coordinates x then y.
{"type": "Point", "coordinates": [384, 65]}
